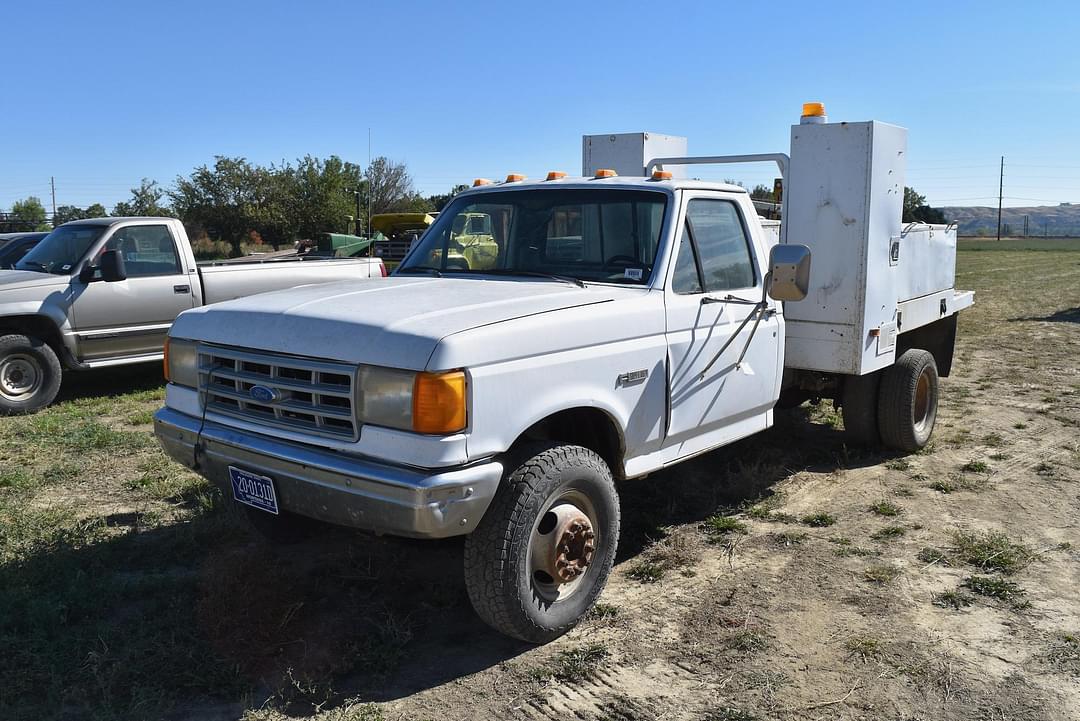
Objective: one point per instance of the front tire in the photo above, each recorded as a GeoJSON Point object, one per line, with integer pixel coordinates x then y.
{"type": "Point", "coordinates": [30, 374]}
{"type": "Point", "coordinates": [907, 401]}
{"type": "Point", "coordinates": [542, 553]}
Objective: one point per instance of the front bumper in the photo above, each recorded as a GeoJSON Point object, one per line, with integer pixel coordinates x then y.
{"type": "Point", "coordinates": [335, 487]}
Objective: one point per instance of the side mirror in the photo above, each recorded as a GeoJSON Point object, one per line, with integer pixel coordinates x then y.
{"type": "Point", "coordinates": [112, 266]}
{"type": "Point", "coordinates": [789, 272]}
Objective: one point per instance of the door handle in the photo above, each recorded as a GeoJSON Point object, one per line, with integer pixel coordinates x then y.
{"type": "Point", "coordinates": [181, 289]}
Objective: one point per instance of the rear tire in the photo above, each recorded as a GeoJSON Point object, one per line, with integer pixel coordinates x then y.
{"type": "Point", "coordinates": [907, 401]}
{"type": "Point", "coordinates": [30, 374]}
{"type": "Point", "coordinates": [859, 404]}
{"type": "Point", "coordinates": [542, 553]}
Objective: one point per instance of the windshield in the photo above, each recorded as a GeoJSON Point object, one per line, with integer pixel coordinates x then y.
{"type": "Point", "coordinates": [61, 250]}
{"type": "Point", "coordinates": [598, 235]}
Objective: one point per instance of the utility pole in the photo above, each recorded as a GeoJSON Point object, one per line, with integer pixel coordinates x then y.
{"type": "Point", "coordinates": [371, 244]}
{"type": "Point", "coordinates": [1026, 219]}
{"type": "Point", "coordinates": [52, 183]}
{"type": "Point", "coordinates": [1001, 190]}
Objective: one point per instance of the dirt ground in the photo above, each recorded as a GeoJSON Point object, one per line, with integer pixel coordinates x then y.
{"type": "Point", "coordinates": [786, 577]}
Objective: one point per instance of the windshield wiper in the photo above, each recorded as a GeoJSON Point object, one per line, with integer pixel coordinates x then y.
{"type": "Point", "coordinates": [532, 274]}
{"type": "Point", "coordinates": [31, 262]}
{"type": "Point", "coordinates": [420, 269]}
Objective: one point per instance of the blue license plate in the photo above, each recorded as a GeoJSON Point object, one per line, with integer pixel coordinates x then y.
{"type": "Point", "coordinates": [254, 490]}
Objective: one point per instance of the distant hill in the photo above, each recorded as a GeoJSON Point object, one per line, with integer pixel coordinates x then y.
{"type": "Point", "coordinates": [1043, 219]}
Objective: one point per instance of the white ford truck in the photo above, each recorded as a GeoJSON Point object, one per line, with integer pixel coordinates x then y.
{"type": "Point", "coordinates": [104, 291]}
{"type": "Point", "coordinates": [627, 322]}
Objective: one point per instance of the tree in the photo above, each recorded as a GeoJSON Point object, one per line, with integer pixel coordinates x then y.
{"type": "Point", "coordinates": [68, 213]}
{"type": "Point", "coordinates": [145, 200]}
{"type": "Point", "coordinates": [320, 195]}
{"type": "Point", "coordinates": [390, 186]}
{"type": "Point", "coordinates": [232, 200]}
{"type": "Point", "coordinates": [440, 201]}
{"type": "Point", "coordinates": [762, 192]}
{"type": "Point", "coordinates": [916, 209]}
{"type": "Point", "coordinates": [29, 214]}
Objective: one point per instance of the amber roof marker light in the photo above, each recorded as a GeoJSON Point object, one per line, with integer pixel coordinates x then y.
{"type": "Point", "coordinates": [606, 173]}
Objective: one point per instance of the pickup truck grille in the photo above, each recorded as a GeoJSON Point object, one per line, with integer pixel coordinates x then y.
{"type": "Point", "coordinates": [293, 393]}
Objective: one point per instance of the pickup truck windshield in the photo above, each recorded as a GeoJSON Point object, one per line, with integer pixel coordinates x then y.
{"type": "Point", "coordinates": [601, 235]}
{"type": "Point", "coordinates": [61, 250]}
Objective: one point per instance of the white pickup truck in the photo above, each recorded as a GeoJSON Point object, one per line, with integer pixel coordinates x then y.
{"type": "Point", "coordinates": [625, 324]}
{"type": "Point", "coordinates": [103, 292]}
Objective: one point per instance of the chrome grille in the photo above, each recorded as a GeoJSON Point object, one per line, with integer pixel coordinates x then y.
{"type": "Point", "coordinates": [297, 393]}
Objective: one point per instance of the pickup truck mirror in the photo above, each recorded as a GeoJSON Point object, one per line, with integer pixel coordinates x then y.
{"type": "Point", "coordinates": [789, 272]}
{"type": "Point", "coordinates": [112, 266]}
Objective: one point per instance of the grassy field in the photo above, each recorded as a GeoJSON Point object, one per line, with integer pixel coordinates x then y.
{"type": "Point", "coordinates": [788, 576]}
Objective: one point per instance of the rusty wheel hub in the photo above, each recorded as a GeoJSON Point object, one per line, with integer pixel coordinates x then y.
{"type": "Point", "coordinates": [571, 543]}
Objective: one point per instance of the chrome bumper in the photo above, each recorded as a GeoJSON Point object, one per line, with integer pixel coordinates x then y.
{"type": "Point", "coordinates": [334, 487]}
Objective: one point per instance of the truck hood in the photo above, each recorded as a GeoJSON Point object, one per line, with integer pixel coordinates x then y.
{"type": "Point", "coordinates": [19, 279]}
{"type": "Point", "coordinates": [395, 322]}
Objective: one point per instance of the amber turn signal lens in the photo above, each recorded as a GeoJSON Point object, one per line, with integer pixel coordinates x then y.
{"type": "Point", "coordinates": [439, 402]}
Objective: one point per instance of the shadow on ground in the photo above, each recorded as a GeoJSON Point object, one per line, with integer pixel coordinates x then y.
{"type": "Point", "coordinates": [201, 615]}
{"type": "Point", "coordinates": [1068, 315]}
{"type": "Point", "coordinates": [106, 382]}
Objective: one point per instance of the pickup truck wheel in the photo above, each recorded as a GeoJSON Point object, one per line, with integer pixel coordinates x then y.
{"type": "Point", "coordinates": [29, 374]}
{"type": "Point", "coordinates": [907, 402]}
{"type": "Point", "coordinates": [859, 404]}
{"type": "Point", "coordinates": [543, 551]}
{"type": "Point", "coordinates": [283, 529]}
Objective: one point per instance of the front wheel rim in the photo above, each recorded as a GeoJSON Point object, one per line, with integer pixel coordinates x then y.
{"type": "Point", "coordinates": [21, 376]}
{"type": "Point", "coordinates": [562, 547]}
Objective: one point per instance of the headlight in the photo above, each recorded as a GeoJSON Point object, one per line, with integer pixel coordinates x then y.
{"type": "Point", "coordinates": [181, 362]}
{"type": "Point", "coordinates": [432, 403]}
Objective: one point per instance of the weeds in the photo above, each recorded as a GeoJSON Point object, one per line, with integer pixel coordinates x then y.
{"type": "Point", "coordinates": [576, 664]}
{"type": "Point", "coordinates": [818, 520]}
{"type": "Point", "coordinates": [998, 589]}
{"type": "Point", "coordinates": [975, 467]}
{"type": "Point", "coordinates": [603, 611]}
{"type": "Point", "coordinates": [717, 526]}
{"type": "Point", "coordinates": [898, 464]}
{"type": "Point", "coordinates": [881, 574]}
{"type": "Point", "coordinates": [932, 555]}
{"type": "Point", "coordinates": [991, 551]}
{"type": "Point", "coordinates": [864, 648]}
{"type": "Point", "coordinates": [994, 440]}
{"type": "Point", "coordinates": [955, 599]}
{"type": "Point", "coordinates": [886, 508]}
{"type": "Point", "coordinates": [729, 713]}
{"type": "Point", "coordinates": [646, 572]}
{"type": "Point", "coordinates": [888, 533]}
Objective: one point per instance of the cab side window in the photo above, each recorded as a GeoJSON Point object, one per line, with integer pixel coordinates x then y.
{"type": "Point", "coordinates": [147, 249]}
{"type": "Point", "coordinates": [714, 250]}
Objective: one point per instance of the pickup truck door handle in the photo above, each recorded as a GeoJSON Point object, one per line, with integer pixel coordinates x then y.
{"type": "Point", "coordinates": [181, 289]}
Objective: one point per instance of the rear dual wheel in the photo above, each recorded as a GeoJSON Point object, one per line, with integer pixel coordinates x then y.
{"type": "Point", "coordinates": [542, 553]}
{"type": "Point", "coordinates": [896, 406]}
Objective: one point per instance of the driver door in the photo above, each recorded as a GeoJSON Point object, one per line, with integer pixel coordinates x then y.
{"type": "Point", "coordinates": [132, 316]}
{"type": "Point", "coordinates": [715, 282]}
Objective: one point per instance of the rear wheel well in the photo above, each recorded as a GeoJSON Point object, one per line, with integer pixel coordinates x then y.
{"type": "Point", "coordinates": [938, 338]}
{"type": "Point", "coordinates": [591, 428]}
{"type": "Point", "coordinates": [36, 326]}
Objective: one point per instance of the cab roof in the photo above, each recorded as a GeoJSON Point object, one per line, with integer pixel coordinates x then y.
{"type": "Point", "coordinates": [621, 182]}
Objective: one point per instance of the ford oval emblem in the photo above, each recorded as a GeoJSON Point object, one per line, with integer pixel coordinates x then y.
{"type": "Point", "coordinates": [263, 394]}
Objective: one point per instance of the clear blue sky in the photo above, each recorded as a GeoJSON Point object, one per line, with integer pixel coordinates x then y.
{"type": "Point", "coordinates": [100, 95]}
